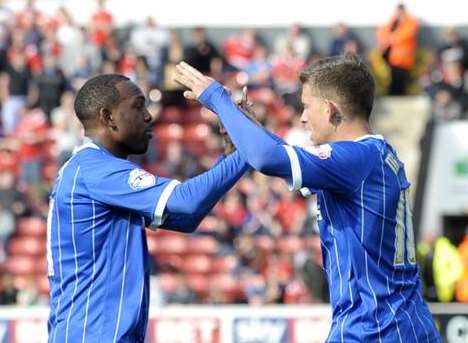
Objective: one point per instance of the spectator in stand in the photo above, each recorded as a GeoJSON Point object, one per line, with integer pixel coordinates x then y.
{"type": "Point", "coordinates": [32, 133]}
{"type": "Point", "coordinates": [296, 40]}
{"type": "Point", "coordinates": [67, 129]}
{"type": "Point", "coordinates": [259, 69]}
{"type": "Point", "coordinates": [15, 83]}
{"type": "Point", "coordinates": [71, 41]}
{"type": "Point", "coordinates": [179, 162]}
{"type": "Point", "coordinates": [312, 270]}
{"type": "Point", "coordinates": [462, 285]}
{"type": "Point", "coordinates": [398, 43]}
{"type": "Point", "coordinates": [344, 40]}
{"type": "Point", "coordinates": [181, 294]}
{"type": "Point", "coordinates": [239, 49]}
{"type": "Point", "coordinates": [202, 53]}
{"type": "Point", "coordinates": [171, 55]}
{"type": "Point", "coordinates": [8, 291]}
{"type": "Point", "coordinates": [451, 93]}
{"type": "Point", "coordinates": [50, 85]}
{"type": "Point", "coordinates": [149, 40]}
{"type": "Point", "coordinates": [12, 205]}
{"type": "Point", "coordinates": [454, 48]}
{"type": "Point", "coordinates": [286, 67]}
{"type": "Point", "coordinates": [101, 25]}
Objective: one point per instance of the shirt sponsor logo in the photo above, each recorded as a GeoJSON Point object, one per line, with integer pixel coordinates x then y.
{"type": "Point", "coordinates": [322, 151]}
{"type": "Point", "coordinates": [139, 179]}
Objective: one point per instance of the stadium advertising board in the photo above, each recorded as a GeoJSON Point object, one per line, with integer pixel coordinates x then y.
{"type": "Point", "coordinates": [228, 324]}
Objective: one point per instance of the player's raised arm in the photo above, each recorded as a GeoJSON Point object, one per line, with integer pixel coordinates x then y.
{"type": "Point", "coordinates": [258, 147]}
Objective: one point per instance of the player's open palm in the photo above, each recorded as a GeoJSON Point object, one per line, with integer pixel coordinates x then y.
{"type": "Point", "coordinates": [191, 78]}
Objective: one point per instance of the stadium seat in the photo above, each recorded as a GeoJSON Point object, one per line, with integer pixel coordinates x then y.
{"type": "Point", "coordinates": [265, 243]}
{"type": "Point", "coordinates": [43, 284]}
{"type": "Point", "coordinates": [289, 244]}
{"type": "Point", "coordinates": [224, 264]}
{"type": "Point", "coordinates": [198, 283]}
{"type": "Point", "coordinates": [21, 265]}
{"type": "Point", "coordinates": [171, 261]}
{"type": "Point", "coordinates": [23, 245]}
{"type": "Point", "coordinates": [168, 132]}
{"type": "Point", "coordinates": [196, 264]}
{"type": "Point", "coordinates": [31, 226]}
{"type": "Point", "coordinates": [171, 245]}
{"type": "Point", "coordinates": [171, 114]}
{"type": "Point", "coordinates": [167, 282]}
{"type": "Point", "coordinates": [202, 245]}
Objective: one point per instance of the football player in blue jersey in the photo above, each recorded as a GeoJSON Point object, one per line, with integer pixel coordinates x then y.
{"type": "Point", "coordinates": [365, 227]}
{"type": "Point", "coordinates": [98, 261]}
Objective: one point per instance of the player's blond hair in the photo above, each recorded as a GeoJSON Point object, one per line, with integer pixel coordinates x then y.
{"type": "Point", "coordinates": [345, 80]}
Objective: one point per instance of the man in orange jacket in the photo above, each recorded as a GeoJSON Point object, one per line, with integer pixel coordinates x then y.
{"type": "Point", "coordinates": [397, 43]}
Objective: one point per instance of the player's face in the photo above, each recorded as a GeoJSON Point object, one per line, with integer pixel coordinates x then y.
{"type": "Point", "coordinates": [134, 122]}
{"type": "Point", "coordinates": [316, 116]}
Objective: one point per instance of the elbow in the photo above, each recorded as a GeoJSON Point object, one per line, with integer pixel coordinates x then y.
{"type": "Point", "coordinates": [262, 161]}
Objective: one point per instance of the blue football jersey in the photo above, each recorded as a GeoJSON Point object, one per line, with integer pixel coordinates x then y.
{"type": "Point", "coordinates": [367, 240]}
{"type": "Point", "coordinates": [98, 262]}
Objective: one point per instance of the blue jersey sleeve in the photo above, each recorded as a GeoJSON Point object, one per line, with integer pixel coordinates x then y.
{"type": "Point", "coordinates": [338, 167]}
{"type": "Point", "coordinates": [123, 184]}
{"type": "Point", "coordinates": [193, 199]}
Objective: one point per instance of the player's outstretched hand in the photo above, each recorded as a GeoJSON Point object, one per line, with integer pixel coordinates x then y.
{"type": "Point", "coordinates": [191, 78]}
{"type": "Point", "coordinates": [247, 107]}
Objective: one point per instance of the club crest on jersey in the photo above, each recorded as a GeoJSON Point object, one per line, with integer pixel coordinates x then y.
{"type": "Point", "coordinates": [139, 179]}
{"type": "Point", "coordinates": [322, 151]}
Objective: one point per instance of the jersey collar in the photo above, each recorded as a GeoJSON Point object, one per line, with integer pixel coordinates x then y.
{"type": "Point", "coordinates": [87, 143]}
{"type": "Point", "coordinates": [368, 136]}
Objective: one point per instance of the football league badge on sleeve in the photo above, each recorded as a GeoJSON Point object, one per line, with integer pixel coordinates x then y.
{"type": "Point", "coordinates": [139, 179]}
{"type": "Point", "coordinates": [321, 151]}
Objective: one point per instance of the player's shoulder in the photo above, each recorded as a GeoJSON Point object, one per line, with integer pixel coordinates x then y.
{"type": "Point", "coordinates": [369, 147]}
{"type": "Point", "coordinates": [97, 163]}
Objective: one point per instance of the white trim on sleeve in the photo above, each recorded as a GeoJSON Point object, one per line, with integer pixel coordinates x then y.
{"type": "Point", "coordinates": [295, 169]}
{"type": "Point", "coordinates": [161, 205]}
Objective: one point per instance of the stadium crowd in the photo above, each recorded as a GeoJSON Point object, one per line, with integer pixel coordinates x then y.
{"type": "Point", "coordinates": [260, 243]}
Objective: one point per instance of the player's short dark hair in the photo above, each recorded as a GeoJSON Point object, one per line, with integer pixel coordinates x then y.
{"type": "Point", "coordinates": [98, 92]}
{"type": "Point", "coordinates": [343, 79]}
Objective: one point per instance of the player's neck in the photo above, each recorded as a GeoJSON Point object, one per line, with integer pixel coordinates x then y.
{"type": "Point", "coordinates": [351, 131]}
{"type": "Point", "coordinates": [107, 143]}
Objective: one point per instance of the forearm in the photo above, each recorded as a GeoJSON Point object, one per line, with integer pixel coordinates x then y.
{"type": "Point", "coordinates": [193, 199]}
{"type": "Point", "coordinates": [260, 148]}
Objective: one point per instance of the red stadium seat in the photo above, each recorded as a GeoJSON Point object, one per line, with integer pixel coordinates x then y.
{"type": "Point", "coordinates": [196, 264]}
{"type": "Point", "coordinates": [196, 133]}
{"type": "Point", "coordinates": [171, 114]}
{"type": "Point", "coordinates": [265, 243]}
{"type": "Point", "coordinates": [41, 266]}
{"type": "Point", "coordinates": [192, 115]}
{"type": "Point", "coordinates": [43, 285]}
{"type": "Point", "coordinates": [289, 244]}
{"type": "Point", "coordinates": [203, 245]}
{"type": "Point", "coordinates": [168, 282]}
{"type": "Point", "coordinates": [171, 245]}
{"type": "Point", "coordinates": [168, 132]}
{"type": "Point", "coordinates": [21, 265]}
{"type": "Point", "coordinates": [169, 260]}
{"type": "Point", "coordinates": [224, 264]}
{"type": "Point", "coordinates": [198, 283]}
{"type": "Point", "coordinates": [31, 226]}
{"type": "Point", "coordinates": [22, 245]}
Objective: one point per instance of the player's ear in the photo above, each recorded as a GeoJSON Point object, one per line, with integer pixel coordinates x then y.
{"type": "Point", "coordinates": [105, 117]}
{"type": "Point", "coordinates": [335, 116]}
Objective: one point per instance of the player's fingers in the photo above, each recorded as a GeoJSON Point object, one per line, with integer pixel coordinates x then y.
{"type": "Point", "coordinates": [183, 80]}
{"type": "Point", "coordinates": [244, 94]}
{"type": "Point", "coordinates": [192, 70]}
{"type": "Point", "coordinates": [190, 95]}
